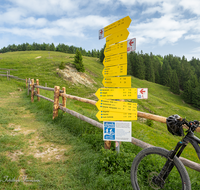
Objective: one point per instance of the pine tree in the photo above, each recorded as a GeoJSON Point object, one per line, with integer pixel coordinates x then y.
{"type": "Point", "coordinates": [78, 61]}
{"type": "Point", "coordinates": [174, 84]}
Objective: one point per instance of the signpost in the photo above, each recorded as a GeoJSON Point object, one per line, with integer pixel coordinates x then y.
{"type": "Point", "coordinates": [117, 82]}
{"type": "Point", "coordinates": [116, 106]}
{"type": "Point", "coordinates": [115, 49]}
{"type": "Point", "coordinates": [117, 37]}
{"type": "Point", "coordinates": [115, 59]}
{"type": "Point", "coordinates": [116, 93]}
{"type": "Point", "coordinates": [115, 64]}
{"type": "Point", "coordinates": [115, 70]}
{"type": "Point", "coordinates": [116, 116]}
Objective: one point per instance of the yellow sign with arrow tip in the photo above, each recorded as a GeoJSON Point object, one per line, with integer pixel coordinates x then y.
{"type": "Point", "coordinates": [117, 37]}
{"type": "Point", "coordinates": [116, 106]}
{"type": "Point", "coordinates": [117, 26]}
{"type": "Point", "coordinates": [116, 93]}
{"type": "Point", "coordinates": [116, 59]}
{"type": "Point", "coordinates": [115, 70]}
{"type": "Point", "coordinates": [117, 82]}
{"type": "Point", "coordinates": [115, 49]}
{"type": "Point", "coordinates": [115, 116]}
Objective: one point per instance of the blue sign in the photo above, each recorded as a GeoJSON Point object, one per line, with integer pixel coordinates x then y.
{"type": "Point", "coordinates": [109, 130]}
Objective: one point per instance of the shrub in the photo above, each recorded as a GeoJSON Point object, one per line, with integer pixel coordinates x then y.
{"type": "Point", "coordinates": [62, 65]}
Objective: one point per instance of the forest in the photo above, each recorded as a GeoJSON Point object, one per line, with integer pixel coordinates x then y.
{"type": "Point", "coordinates": [180, 75]}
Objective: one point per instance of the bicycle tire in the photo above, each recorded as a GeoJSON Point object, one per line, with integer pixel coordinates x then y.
{"type": "Point", "coordinates": [149, 162]}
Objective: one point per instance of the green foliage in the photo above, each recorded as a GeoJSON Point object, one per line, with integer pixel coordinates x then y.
{"type": "Point", "coordinates": [78, 61]}
{"type": "Point", "coordinates": [112, 162]}
{"type": "Point", "coordinates": [174, 84]}
{"type": "Point", "coordinates": [149, 122]}
{"type": "Point", "coordinates": [62, 65]}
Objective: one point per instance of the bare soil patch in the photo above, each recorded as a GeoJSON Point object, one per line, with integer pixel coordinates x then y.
{"type": "Point", "coordinates": [72, 75]}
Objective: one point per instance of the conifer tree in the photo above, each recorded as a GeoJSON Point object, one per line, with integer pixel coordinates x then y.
{"type": "Point", "coordinates": [174, 84]}
{"type": "Point", "coordinates": [78, 61]}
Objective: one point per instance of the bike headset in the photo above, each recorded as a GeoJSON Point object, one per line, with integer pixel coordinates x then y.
{"type": "Point", "coordinates": [174, 125]}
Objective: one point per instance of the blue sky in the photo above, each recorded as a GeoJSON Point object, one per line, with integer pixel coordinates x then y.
{"type": "Point", "coordinates": [161, 27]}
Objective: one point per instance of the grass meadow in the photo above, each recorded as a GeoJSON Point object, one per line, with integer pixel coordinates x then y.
{"type": "Point", "coordinates": [37, 152]}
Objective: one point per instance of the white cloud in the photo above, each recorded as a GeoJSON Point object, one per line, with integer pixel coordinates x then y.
{"type": "Point", "coordinates": [192, 5]}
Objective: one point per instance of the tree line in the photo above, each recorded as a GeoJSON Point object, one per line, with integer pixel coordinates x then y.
{"type": "Point", "coordinates": [49, 47]}
{"type": "Point", "coordinates": [180, 75]}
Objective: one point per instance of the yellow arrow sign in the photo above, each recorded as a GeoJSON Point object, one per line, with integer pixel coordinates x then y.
{"type": "Point", "coordinates": [113, 116]}
{"type": "Point", "coordinates": [115, 59]}
{"type": "Point", "coordinates": [117, 37]}
{"type": "Point", "coordinates": [117, 82]}
{"type": "Point", "coordinates": [116, 106]}
{"type": "Point", "coordinates": [115, 49]}
{"type": "Point", "coordinates": [115, 70]}
{"type": "Point", "coordinates": [116, 93]}
{"type": "Point", "coordinates": [117, 26]}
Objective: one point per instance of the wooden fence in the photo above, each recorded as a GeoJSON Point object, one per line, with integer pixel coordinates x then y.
{"type": "Point", "coordinates": [34, 88]}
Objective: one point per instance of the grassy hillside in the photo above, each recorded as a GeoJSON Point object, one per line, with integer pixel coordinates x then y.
{"type": "Point", "coordinates": [160, 102]}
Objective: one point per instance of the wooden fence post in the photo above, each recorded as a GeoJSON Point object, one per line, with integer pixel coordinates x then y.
{"type": "Point", "coordinates": [64, 98]}
{"type": "Point", "coordinates": [29, 82]}
{"type": "Point", "coordinates": [7, 75]}
{"type": "Point", "coordinates": [38, 90]}
{"type": "Point", "coordinates": [26, 82]}
{"type": "Point", "coordinates": [32, 90]}
{"type": "Point", "coordinates": [56, 101]}
{"type": "Point", "coordinates": [107, 144]}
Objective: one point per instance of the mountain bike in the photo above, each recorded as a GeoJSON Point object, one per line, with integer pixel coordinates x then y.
{"type": "Point", "coordinates": [158, 168]}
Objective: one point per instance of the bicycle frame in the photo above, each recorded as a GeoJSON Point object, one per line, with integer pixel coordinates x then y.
{"type": "Point", "coordinates": [189, 137]}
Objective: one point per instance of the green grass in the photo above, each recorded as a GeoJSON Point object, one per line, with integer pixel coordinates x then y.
{"type": "Point", "coordinates": [85, 165]}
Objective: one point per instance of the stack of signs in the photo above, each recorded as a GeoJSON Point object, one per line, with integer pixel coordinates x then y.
{"type": "Point", "coordinates": [118, 86]}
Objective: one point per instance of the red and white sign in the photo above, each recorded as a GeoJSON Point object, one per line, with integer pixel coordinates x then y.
{"type": "Point", "coordinates": [101, 34]}
{"type": "Point", "coordinates": [131, 45]}
{"type": "Point", "coordinates": [142, 93]}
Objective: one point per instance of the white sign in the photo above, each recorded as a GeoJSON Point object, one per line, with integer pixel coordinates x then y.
{"type": "Point", "coordinates": [131, 45]}
{"type": "Point", "coordinates": [117, 131]}
{"type": "Point", "coordinates": [142, 93]}
{"type": "Point", "coordinates": [101, 34]}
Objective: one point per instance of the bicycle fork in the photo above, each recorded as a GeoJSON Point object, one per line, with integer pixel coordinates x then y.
{"type": "Point", "coordinates": [162, 176]}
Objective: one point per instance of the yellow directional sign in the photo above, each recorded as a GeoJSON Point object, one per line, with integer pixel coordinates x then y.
{"type": "Point", "coordinates": [117, 82]}
{"type": "Point", "coordinates": [116, 93]}
{"type": "Point", "coordinates": [117, 37]}
{"type": "Point", "coordinates": [115, 70]}
{"type": "Point", "coordinates": [113, 116]}
{"type": "Point", "coordinates": [115, 49]}
{"type": "Point", "coordinates": [115, 59]}
{"type": "Point", "coordinates": [117, 26]}
{"type": "Point", "coordinates": [116, 106]}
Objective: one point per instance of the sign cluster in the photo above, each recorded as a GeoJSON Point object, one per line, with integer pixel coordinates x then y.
{"type": "Point", "coordinates": [118, 85]}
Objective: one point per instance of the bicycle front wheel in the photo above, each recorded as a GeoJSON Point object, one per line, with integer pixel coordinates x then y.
{"type": "Point", "coordinates": [148, 164]}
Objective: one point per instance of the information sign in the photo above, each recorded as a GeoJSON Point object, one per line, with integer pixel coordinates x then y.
{"type": "Point", "coordinates": [142, 93]}
{"type": "Point", "coordinates": [115, 70]}
{"type": "Point", "coordinates": [116, 106]}
{"type": "Point", "coordinates": [115, 49]}
{"type": "Point", "coordinates": [117, 82]}
{"type": "Point", "coordinates": [116, 59]}
{"type": "Point", "coordinates": [117, 131]}
{"type": "Point", "coordinates": [113, 116]}
{"type": "Point", "coordinates": [131, 45]}
{"type": "Point", "coordinates": [116, 93]}
{"type": "Point", "coordinates": [117, 37]}
{"type": "Point", "coordinates": [117, 26]}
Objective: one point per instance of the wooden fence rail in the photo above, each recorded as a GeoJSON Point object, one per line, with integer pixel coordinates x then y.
{"type": "Point", "coordinates": [57, 92]}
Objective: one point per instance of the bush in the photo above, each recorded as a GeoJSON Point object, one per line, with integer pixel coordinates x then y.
{"type": "Point", "coordinates": [62, 65]}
